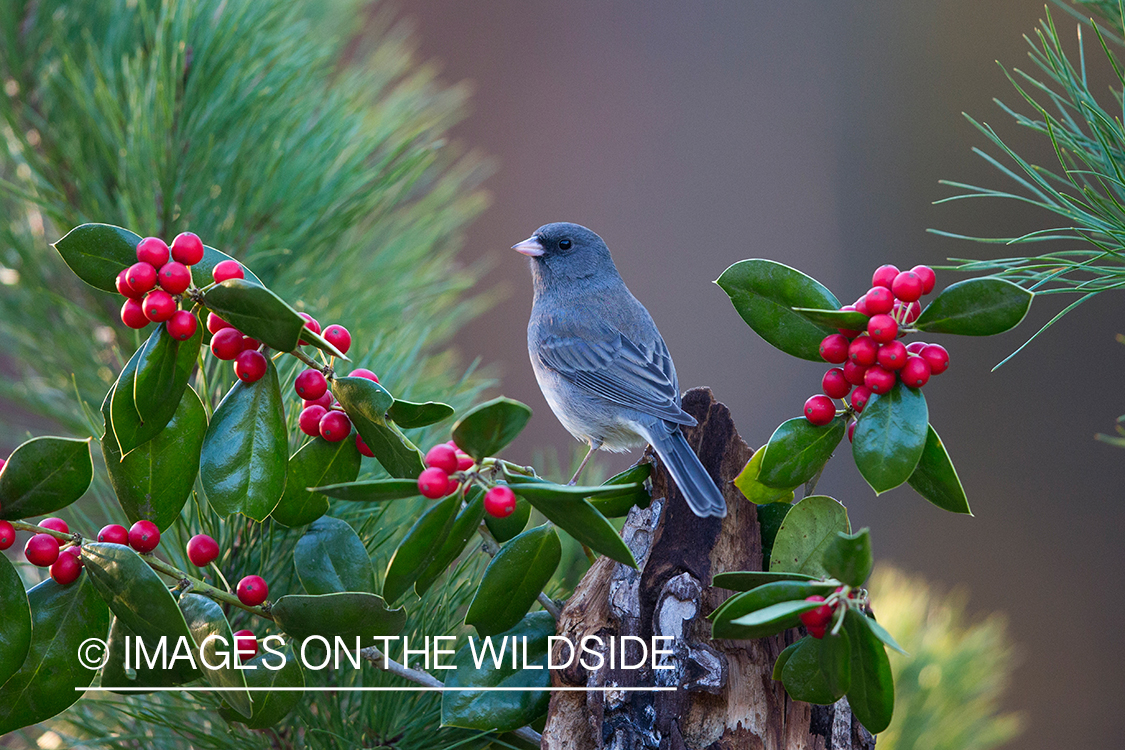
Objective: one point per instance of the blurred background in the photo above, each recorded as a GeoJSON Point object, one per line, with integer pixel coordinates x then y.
{"type": "Point", "coordinates": [691, 136]}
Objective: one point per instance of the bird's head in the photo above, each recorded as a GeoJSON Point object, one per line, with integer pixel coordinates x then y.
{"type": "Point", "coordinates": [564, 252]}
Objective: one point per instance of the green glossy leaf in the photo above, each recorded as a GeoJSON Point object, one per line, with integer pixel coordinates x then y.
{"type": "Point", "coordinates": [633, 475]}
{"type": "Point", "coordinates": [246, 450]}
{"type": "Point", "coordinates": [501, 710]}
{"type": "Point", "coordinates": [783, 657]}
{"type": "Point", "coordinates": [582, 521]}
{"type": "Point", "coordinates": [770, 518]}
{"type": "Point", "coordinates": [15, 625]}
{"type": "Point", "coordinates": [419, 547]}
{"type": "Point", "coordinates": [330, 558]}
{"type": "Point", "coordinates": [976, 307]}
{"type": "Point", "coordinates": [872, 690]}
{"type": "Point", "coordinates": [766, 596]}
{"type": "Point", "coordinates": [514, 579]}
{"type": "Point", "coordinates": [881, 633]}
{"type": "Point", "coordinates": [155, 480]}
{"type": "Point", "coordinates": [846, 319]}
{"type": "Point", "coordinates": [270, 706]}
{"type": "Point", "coordinates": [43, 475]}
{"type": "Point", "coordinates": [98, 252]}
{"type": "Point", "coordinates": [747, 580]}
{"type": "Point", "coordinates": [366, 403]}
{"type": "Point", "coordinates": [138, 674]}
{"type": "Point", "coordinates": [317, 462]}
{"type": "Point", "coordinates": [347, 614]}
{"type": "Point", "coordinates": [797, 450]}
{"type": "Point", "coordinates": [848, 559]}
{"type": "Point", "coordinates": [756, 492]}
{"type": "Point", "coordinates": [616, 507]}
{"type": "Point", "coordinates": [485, 429]}
{"type": "Point", "coordinates": [534, 488]}
{"type": "Point", "coordinates": [371, 490]}
{"type": "Point", "coordinates": [63, 617]}
{"type": "Point", "coordinates": [257, 312]}
{"type": "Point", "coordinates": [463, 528]}
{"type": "Point", "coordinates": [202, 273]}
{"type": "Point", "coordinates": [936, 479]}
{"type": "Point", "coordinates": [409, 415]}
{"type": "Point", "coordinates": [135, 593]}
{"type": "Point", "coordinates": [217, 656]}
{"type": "Point", "coordinates": [818, 670]}
{"type": "Point", "coordinates": [890, 437]}
{"type": "Point", "coordinates": [510, 526]}
{"type": "Point", "coordinates": [776, 617]}
{"type": "Point", "coordinates": [764, 293]}
{"type": "Point", "coordinates": [809, 527]}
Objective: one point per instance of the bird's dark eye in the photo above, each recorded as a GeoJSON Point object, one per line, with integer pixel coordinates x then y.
{"type": "Point", "coordinates": [564, 244]}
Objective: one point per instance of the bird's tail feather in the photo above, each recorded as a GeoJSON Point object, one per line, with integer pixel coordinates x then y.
{"type": "Point", "coordinates": [695, 484]}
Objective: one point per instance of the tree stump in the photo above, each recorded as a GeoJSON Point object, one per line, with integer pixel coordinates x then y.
{"type": "Point", "coordinates": [725, 697]}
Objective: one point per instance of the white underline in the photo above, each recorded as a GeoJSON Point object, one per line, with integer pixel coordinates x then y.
{"type": "Point", "coordinates": [418, 689]}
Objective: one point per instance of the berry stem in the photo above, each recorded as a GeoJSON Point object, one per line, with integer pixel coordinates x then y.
{"type": "Point", "coordinates": [24, 526]}
{"type": "Point", "coordinates": [198, 586]}
{"type": "Point", "coordinates": [313, 363]}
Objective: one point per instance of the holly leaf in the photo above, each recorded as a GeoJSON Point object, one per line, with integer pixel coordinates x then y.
{"type": "Point", "coordinates": [462, 530]}
{"type": "Point", "coordinates": [257, 312]}
{"type": "Point", "coordinates": [514, 579]}
{"type": "Point", "coordinates": [797, 450]}
{"type": "Point", "coordinates": [486, 429]}
{"type": "Point", "coordinates": [577, 517]}
{"type": "Point", "coordinates": [846, 319]}
{"type": "Point", "coordinates": [976, 307]}
{"type": "Point", "coordinates": [15, 625]}
{"type": "Point", "coordinates": [217, 656]}
{"type": "Point", "coordinates": [409, 415]}
{"type": "Point", "coordinates": [871, 693]}
{"type": "Point", "coordinates": [139, 674]}
{"type": "Point", "coordinates": [330, 558]}
{"type": "Point", "coordinates": [418, 549]}
{"type": "Point", "coordinates": [371, 490]}
{"type": "Point", "coordinates": [936, 479]}
{"type": "Point", "coordinates": [890, 437]}
{"type": "Point", "coordinates": [729, 619]}
{"type": "Point", "coordinates": [808, 529]}
{"type": "Point", "coordinates": [270, 669]}
{"type": "Point", "coordinates": [366, 403]}
{"type": "Point", "coordinates": [134, 592]}
{"type": "Point", "coordinates": [848, 559]}
{"type": "Point", "coordinates": [348, 614]}
{"type": "Point", "coordinates": [43, 475]}
{"type": "Point", "coordinates": [317, 462]}
{"type": "Point", "coordinates": [818, 670]}
{"type": "Point", "coordinates": [748, 580]}
{"type": "Point", "coordinates": [98, 252]}
{"type": "Point", "coordinates": [756, 492]}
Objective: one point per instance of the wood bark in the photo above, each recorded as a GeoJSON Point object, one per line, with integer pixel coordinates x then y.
{"type": "Point", "coordinates": [725, 697]}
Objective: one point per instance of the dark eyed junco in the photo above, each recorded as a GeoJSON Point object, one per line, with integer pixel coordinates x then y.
{"type": "Point", "coordinates": [600, 362]}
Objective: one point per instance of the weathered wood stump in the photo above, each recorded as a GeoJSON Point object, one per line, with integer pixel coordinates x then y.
{"type": "Point", "coordinates": [726, 697]}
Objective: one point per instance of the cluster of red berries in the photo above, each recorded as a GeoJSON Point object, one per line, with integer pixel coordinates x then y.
{"type": "Point", "coordinates": [323, 416]}
{"type": "Point", "coordinates": [436, 481]}
{"type": "Point", "coordinates": [817, 620]}
{"type": "Point", "coordinates": [153, 284]}
{"type": "Point", "coordinates": [874, 360]}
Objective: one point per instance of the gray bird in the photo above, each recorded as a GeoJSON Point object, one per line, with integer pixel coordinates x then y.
{"type": "Point", "coordinates": [600, 362]}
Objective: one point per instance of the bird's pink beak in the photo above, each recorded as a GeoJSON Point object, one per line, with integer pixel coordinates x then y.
{"type": "Point", "coordinates": [531, 247]}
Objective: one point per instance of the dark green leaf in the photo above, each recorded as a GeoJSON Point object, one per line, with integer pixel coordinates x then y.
{"type": "Point", "coordinates": [633, 475]}
{"type": "Point", "coordinates": [616, 507]}
{"type": "Point", "coordinates": [770, 518]}
{"type": "Point", "coordinates": [257, 312]}
{"type": "Point", "coordinates": [246, 450]}
{"type": "Point", "coordinates": [890, 436]}
{"type": "Point", "coordinates": [408, 414]}
{"type": "Point", "coordinates": [371, 490]}
{"type": "Point", "coordinates": [764, 293]}
{"type": "Point", "coordinates": [747, 580]}
{"type": "Point", "coordinates": [419, 548]}
{"type": "Point", "coordinates": [872, 690]}
{"type": "Point", "coordinates": [63, 617]}
{"type": "Point", "coordinates": [135, 593]}
{"type": "Point", "coordinates": [514, 579]}
{"type": "Point", "coordinates": [485, 429]}
{"type": "Point", "coordinates": [366, 403]}
{"type": "Point", "coordinates": [510, 526]}
{"type": "Point", "coordinates": [846, 319]}
{"type": "Point", "coordinates": [155, 480]}
{"type": "Point", "coordinates": [816, 669]}
{"type": "Point", "coordinates": [347, 614]}
{"type": "Point", "coordinates": [217, 656]}
{"type": "Point", "coordinates": [756, 492]}
{"type": "Point", "coordinates": [43, 475]}
{"type": "Point", "coordinates": [774, 618]}
{"type": "Point", "coordinates": [848, 557]}
{"type": "Point", "coordinates": [318, 462]}
{"type": "Point", "coordinates": [783, 658]}
{"type": "Point", "coordinates": [537, 489]}
{"type": "Point", "coordinates": [501, 710]}
{"type": "Point", "coordinates": [760, 598]}
{"type": "Point", "coordinates": [809, 527]}
{"type": "Point", "coordinates": [202, 273]}
{"type": "Point", "coordinates": [935, 479]}
{"type": "Point", "coordinates": [330, 558]}
{"type": "Point", "coordinates": [797, 450]}
{"type": "Point", "coordinates": [271, 706]}
{"type": "Point", "coordinates": [463, 529]}
{"type": "Point", "coordinates": [881, 633]}
{"type": "Point", "coordinates": [976, 307]}
{"type": "Point", "coordinates": [15, 625]}
{"type": "Point", "coordinates": [139, 674]}
{"type": "Point", "coordinates": [578, 518]}
{"type": "Point", "coordinates": [98, 252]}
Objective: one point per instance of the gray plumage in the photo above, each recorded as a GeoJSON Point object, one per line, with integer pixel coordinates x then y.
{"type": "Point", "coordinates": [600, 361]}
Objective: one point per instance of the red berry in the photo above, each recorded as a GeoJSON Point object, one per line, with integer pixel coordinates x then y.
{"type": "Point", "coordinates": [7, 535]}
{"type": "Point", "coordinates": [227, 344]}
{"type": "Point", "coordinates": [879, 380]}
{"type": "Point", "coordinates": [916, 347]}
{"type": "Point", "coordinates": [187, 248]}
{"type": "Point", "coordinates": [834, 348]}
{"type": "Point", "coordinates": [144, 536]}
{"type": "Point", "coordinates": [202, 550]}
{"type": "Point", "coordinates": [153, 251]}
{"type": "Point", "coordinates": [325, 401]}
{"type": "Point", "coordinates": [861, 306]}
{"type": "Point", "coordinates": [363, 373]}
{"type": "Point", "coordinates": [879, 300]}
{"type": "Point", "coordinates": [820, 410]}
{"type": "Point", "coordinates": [227, 269]}
{"type": "Point", "coordinates": [859, 398]}
{"type": "Point", "coordinates": [464, 461]}
{"type": "Point", "coordinates": [882, 328]}
{"type": "Point", "coordinates": [936, 357]}
{"type": "Point", "coordinates": [916, 373]}
{"type": "Point", "coordinates": [847, 333]}
{"type": "Point", "coordinates": [907, 286]}
{"type": "Point", "coordinates": [854, 373]}
{"type": "Point", "coordinates": [245, 644]}
{"type": "Point", "coordinates": [181, 326]}
{"type": "Point", "coordinates": [891, 356]}
{"type": "Point", "coordinates": [41, 550]}
{"type": "Point", "coordinates": [140, 277]}
{"type": "Point", "coordinates": [114, 534]}
{"type": "Point", "coordinates": [442, 457]}
{"type": "Point", "coordinates": [133, 314]}
{"type": "Point", "coordinates": [123, 287]}
{"type": "Point", "coordinates": [818, 632]}
{"type": "Point", "coordinates": [851, 431]}
{"type": "Point", "coordinates": [335, 426]}
{"type": "Point", "coordinates": [500, 502]}
{"type": "Point", "coordinates": [928, 277]}
{"type": "Point", "coordinates": [174, 277]}
{"type": "Point", "coordinates": [249, 344]}
{"type": "Point", "coordinates": [250, 366]}
{"type": "Point", "coordinates": [252, 591]}
{"type": "Point", "coordinates": [834, 384]}
{"type": "Point", "coordinates": [216, 324]}
{"type": "Point", "coordinates": [339, 337]}
{"type": "Point", "coordinates": [309, 420]}
{"type": "Point", "coordinates": [819, 617]}
{"type": "Point", "coordinates": [74, 550]}
{"type": "Point", "coordinates": [884, 276]}
{"type": "Point", "coordinates": [310, 385]}
{"type": "Point", "coordinates": [54, 524]}
{"type": "Point", "coordinates": [362, 446]}
{"type": "Point", "coordinates": [864, 349]}
{"type": "Point", "coordinates": [433, 483]}
{"type": "Point", "coordinates": [158, 306]}
{"type": "Point", "coordinates": [65, 569]}
{"type": "Point", "coordinates": [311, 324]}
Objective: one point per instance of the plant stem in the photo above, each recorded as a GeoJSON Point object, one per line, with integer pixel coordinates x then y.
{"type": "Point", "coordinates": [311, 362]}
{"type": "Point", "coordinates": [199, 586]}
{"type": "Point", "coordinates": [24, 526]}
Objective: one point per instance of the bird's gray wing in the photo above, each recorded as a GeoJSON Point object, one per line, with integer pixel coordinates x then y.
{"type": "Point", "coordinates": [613, 367]}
